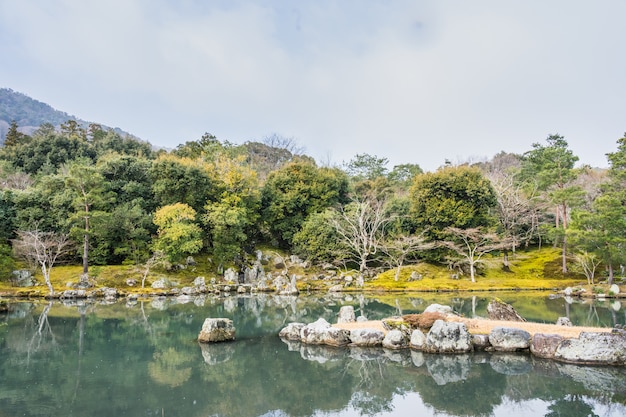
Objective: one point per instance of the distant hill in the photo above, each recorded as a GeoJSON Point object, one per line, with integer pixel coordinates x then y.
{"type": "Point", "coordinates": [29, 114]}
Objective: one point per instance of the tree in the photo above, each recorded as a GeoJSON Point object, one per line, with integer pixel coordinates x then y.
{"type": "Point", "coordinates": [472, 244]}
{"type": "Point", "coordinates": [602, 230]}
{"type": "Point", "coordinates": [178, 234]}
{"type": "Point", "coordinates": [516, 211]}
{"type": "Point", "coordinates": [230, 219]}
{"type": "Point", "coordinates": [367, 167]}
{"type": "Point", "coordinates": [459, 197]}
{"type": "Point", "coordinates": [42, 249]}
{"type": "Point", "coordinates": [400, 248]}
{"type": "Point", "coordinates": [13, 136]}
{"type": "Point", "coordinates": [361, 228]}
{"type": "Point", "coordinates": [551, 168]}
{"type": "Point", "coordinates": [318, 241]}
{"type": "Point", "coordinates": [86, 185]}
{"type": "Point", "coordinates": [296, 191]}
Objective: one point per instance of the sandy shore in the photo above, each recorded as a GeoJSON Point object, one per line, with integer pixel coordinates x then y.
{"type": "Point", "coordinates": [484, 326]}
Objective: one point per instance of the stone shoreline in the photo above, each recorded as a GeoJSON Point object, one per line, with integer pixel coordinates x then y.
{"type": "Point", "coordinates": [454, 335]}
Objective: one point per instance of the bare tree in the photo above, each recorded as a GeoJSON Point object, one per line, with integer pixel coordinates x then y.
{"type": "Point", "coordinates": [400, 248]}
{"type": "Point", "coordinates": [516, 210]}
{"type": "Point", "coordinates": [361, 228]}
{"type": "Point", "coordinates": [588, 263]}
{"type": "Point", "coordinates": [157, 258]}
{"type": "Point", "coordinates": [42, 249]}
{"type": "Point", "coordinates": [472, 244]}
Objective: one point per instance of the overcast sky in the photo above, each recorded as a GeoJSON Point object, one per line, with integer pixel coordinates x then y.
{"type": "Point", "coordinates": [412, 81]}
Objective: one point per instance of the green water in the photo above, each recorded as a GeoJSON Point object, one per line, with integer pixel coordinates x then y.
{"type": "Point", "coordinates": [141, 359]}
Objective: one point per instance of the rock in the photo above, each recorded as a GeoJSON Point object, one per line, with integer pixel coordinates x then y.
{"type": "Point", "coordinates": [544, 345]}
{"type": "Point", "coordinates": [190, 261]}
{"type": "Point", "coordinates": [394, 339]}
{"type": "Point", "coordinates": [346, 315]}
{"type": "Point", "coordinates": [499, 310]}
{"type": "Point", "coordinates": [131, 282]}
{"type": "Point", "coordinates": [199, 282]}
{"type": "Point", "coordinates": [336, 288]}
{"type": "Point", "coordinates": [563, 321]}
{"type": "Point", "coordinates": [241, 289]}
{"type": "Point", "coordinates": [230, 275]}
{"type": "Point", "coordinates": [568, 291]}
{"type": "Point", "coordinates": [448, 337]}
{"type": "Point", "coordinates": [290, 288]}
{"type": "Point", "coordinates": [216, 330]}
{"type": "Point", "coordinates": [504, 339]}
{"type": "Point", "coordinates": [22, 278]}
{"type": "Point", "coordinates": [291, 331]}
{"type": "Point", "coordinates": [418, 339]}
{"type": "Point", "coordinates": [188, 291]}
{"type": "Point", "coordinates": [159, 284]}
{"type": "Point", "coordinates": [321, 332]}
{"type": "Point", "coordinates": [481, 341]}
{"type": "Point", "coordinates": [438, 308]}
{"type": "Point", "coordinates": [366, 337]}
{"type": "Point", "coordinates": [614, 290]}
{"type": "Point", "coordinates": [361, 319]}
{"type": "Point", "coordinates": [279, 262]}
{"type": "Point", "coordinates": [593, 349]}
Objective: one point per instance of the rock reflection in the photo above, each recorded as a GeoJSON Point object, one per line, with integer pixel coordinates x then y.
{"type": "Point", "coordinates": [216, 353]}
{"type": "Point", "coordinates": [511, 363]}
{"type": "Point", "coordinates": [446, 369]}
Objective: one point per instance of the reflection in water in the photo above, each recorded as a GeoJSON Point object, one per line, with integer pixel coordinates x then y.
{"type": "Point", "coordinates": [132, 359]}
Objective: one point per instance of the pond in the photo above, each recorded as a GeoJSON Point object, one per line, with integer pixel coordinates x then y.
{"type": "Point", "coordinates": [142, 359]}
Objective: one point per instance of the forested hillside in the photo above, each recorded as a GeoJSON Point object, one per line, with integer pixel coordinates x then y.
{"type": "Point", "coordinates": [110, 199]}
{"type": "Point", "coordinates": [29, 113]}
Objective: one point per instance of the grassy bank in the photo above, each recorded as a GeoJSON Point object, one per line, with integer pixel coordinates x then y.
{"type": "Point", "coordinates": [528, 270]}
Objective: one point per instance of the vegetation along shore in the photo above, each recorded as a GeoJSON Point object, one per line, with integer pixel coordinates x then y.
{"type": "Point", "coordinates": [84, 207]}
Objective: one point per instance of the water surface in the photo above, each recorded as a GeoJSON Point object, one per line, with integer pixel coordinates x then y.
{"type": "Point", "coordinates": [142, 359]}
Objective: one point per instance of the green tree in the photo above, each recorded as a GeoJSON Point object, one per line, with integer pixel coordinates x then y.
{"type": "Point", "coordinates": [366, 166]}
{"type": "Point", "coordinates": [182, 180]}
{"type": "Point", "coordinates": [231, 218]}
{"type": "Point", "coordinates": [13, 136]}
{"type": "Point", "coordinates": [296, 191]}
{"type": "Point", "coordinates": [458, 197]}
{"type": "Point", "coordinates": [178, 235]}
{"type": "Point", "coordinates": [551, 169]}
{"type": "Point", "coordinates": [86, 187]}
{"type": "Point", "coordinates": [318, 241]}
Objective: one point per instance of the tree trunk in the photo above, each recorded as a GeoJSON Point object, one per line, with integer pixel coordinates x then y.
{"type": "Point", "coordinates": [46, 276]}
{"type": "Point", "coordinates": [86, 249]}
{"type": "Point", "coordinates": [610, 273]}
{"type": "Point", "coordinates": [564, 254]}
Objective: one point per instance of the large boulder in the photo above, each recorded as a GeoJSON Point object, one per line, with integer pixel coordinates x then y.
{"type": "Point", "coordinates": [448, 337]}
{"type": "Point", "coordinates": [216, 330]}
{"type": "Point", "coordinates": [506, 339]}
{"type": "Point", "coordinates": [544, 345]}
{"type": "Point", "coordinates": [366, 337]}
{"type": "Point", "coordinates": [594, 349]}
{"type": "Point", "coordinates": [499, 310]}
{"type": "Point", "coordinates": [346, 315]}
{"type": "Point", "coordinates": [321, 332]}
{"type": "Point", "coordinates": [395, 339]}
{"type": "Point", "coordinates": [291, 331]}
{"type": "Point", "coordinates": [418, 339]}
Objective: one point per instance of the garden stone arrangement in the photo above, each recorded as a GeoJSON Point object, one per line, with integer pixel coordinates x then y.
{"type": "Point", "coordinates": [439, 330]}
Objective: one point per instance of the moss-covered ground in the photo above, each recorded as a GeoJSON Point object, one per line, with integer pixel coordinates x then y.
{"type": "Point", "coordinates": [535, 269]}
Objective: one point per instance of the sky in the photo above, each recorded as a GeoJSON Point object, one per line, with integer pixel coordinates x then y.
{"type": "Point", "coordinates": [412, 81]}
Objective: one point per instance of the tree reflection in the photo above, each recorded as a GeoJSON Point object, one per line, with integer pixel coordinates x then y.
{"type": "Point", "coordinates": [571, 406]}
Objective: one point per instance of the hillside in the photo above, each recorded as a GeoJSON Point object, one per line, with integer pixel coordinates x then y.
{"type": "Point", "coordinates": [29, 114]}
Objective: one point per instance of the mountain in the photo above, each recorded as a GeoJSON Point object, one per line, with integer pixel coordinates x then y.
{"type": "Point", "coordinates": [29, 114]}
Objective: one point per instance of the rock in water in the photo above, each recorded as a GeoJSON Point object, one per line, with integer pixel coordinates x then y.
{"type": "Point", "coordinates": [346, 315]}
{"type": "Point", "coordinates": [216, 330]}
{"type": "Point", "coordinates": [593, 349]}
{"type": "Point", "coordinates": [499, 310]}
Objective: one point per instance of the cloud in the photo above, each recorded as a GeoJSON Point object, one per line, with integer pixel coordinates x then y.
{"type": "Point", "coordinates": [413, 81]}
